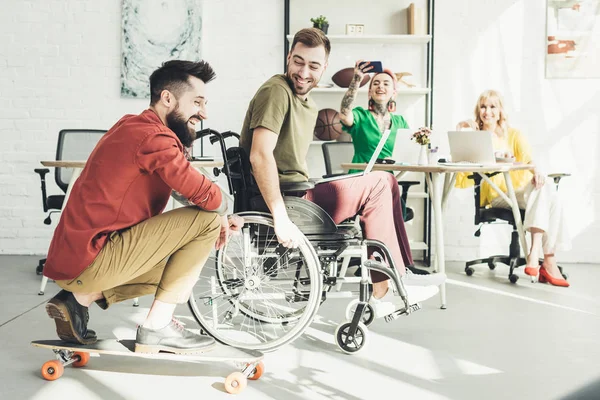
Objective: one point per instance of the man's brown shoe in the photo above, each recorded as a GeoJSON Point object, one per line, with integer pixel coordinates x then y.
{"type": "Point", "coordinates": [71, 319]}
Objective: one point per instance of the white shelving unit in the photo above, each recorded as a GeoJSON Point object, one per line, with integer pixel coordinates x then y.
{"type": "Point", "coordinates": [401, 91]}
{"type": "Point", "coordinates": [384, 40]}
{"type": "Point", "coordinates": [376, 39]}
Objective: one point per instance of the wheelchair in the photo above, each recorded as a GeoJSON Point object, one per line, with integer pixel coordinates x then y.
{"type": "Point", "coordinates": [260, 295]}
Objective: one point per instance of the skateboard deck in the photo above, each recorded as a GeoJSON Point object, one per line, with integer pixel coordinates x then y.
{"type": "Point", "coordinates": [78, 356]}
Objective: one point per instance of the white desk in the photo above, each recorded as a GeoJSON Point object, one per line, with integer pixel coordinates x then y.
{"type": "Point", "coordinates": [77, 167]}
{"type": "Point", "coordinates": [444, 175]}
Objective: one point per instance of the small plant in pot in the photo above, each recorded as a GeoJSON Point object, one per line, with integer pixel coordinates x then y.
{"type": "Point", "coordinates": [320, 23]}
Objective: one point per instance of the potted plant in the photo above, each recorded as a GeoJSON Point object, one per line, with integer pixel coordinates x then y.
{"type": "Point", "coordinates": [321, 23]}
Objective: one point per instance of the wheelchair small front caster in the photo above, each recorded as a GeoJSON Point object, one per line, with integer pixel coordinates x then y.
{"type": "Point", "coordinates": [348, 343]}
{"type": "Point", "coordinates": [513, 278]}
{"type": "Point", "coordinates": [469, 271]}
{"type": "Point", "coordinates": [368, 315]}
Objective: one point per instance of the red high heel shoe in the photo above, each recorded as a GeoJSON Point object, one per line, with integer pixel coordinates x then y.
{"type": "Point", "coordinates": [545, 277]}
{"type": "Point", "coordinates": [531, 271]}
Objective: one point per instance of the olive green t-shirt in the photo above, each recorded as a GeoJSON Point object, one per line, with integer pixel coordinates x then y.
{"type": "Point", "coordinates": [276, 108]}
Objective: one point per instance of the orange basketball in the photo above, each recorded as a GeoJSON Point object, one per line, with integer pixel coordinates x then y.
{"type": "Point", "coordinates": [328, 126]}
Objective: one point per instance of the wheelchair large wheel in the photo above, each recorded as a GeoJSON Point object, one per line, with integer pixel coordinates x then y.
{"type": "Point", "coordinates": [257, 294]}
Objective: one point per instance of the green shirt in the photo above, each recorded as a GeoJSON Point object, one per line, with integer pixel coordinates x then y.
{"type": "Point", "coordinates": [276, 108]}
{"type": "Point", "coordinates": [366, 135]}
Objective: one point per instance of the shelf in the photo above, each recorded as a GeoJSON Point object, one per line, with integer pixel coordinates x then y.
{"type": "Point", "coordinates": [400, 92]}
{"type": "Point", "coordinates": [417, 245]}
{"type": "Point", "coordinates": [417, 195]}
{"type": "Point", "coordinates": [375, 39]}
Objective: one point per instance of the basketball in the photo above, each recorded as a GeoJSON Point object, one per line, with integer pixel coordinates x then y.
{"type": "Point", "coordinates": [328, 126]}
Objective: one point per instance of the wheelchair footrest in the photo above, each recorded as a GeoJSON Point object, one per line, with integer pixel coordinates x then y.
{"type": "Point", "coordinates": [403, 311]}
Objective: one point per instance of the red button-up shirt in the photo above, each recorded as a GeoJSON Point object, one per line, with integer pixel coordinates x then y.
{"type": "Point", "coordinates": [126, 180]}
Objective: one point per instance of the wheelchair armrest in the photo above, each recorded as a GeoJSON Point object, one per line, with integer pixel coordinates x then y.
{"type": "Point", "coordinates": [287, 187]}
{"type": "Point", "coordinates": [332, 175]}
{"type": "Point", "coordinates": [558, 176]}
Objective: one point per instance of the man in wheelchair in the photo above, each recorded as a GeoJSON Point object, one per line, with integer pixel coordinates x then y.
{"type": "Point", "coordinates": [276, 134]}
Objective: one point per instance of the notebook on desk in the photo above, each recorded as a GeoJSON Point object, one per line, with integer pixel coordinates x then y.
{"type": "Point", "coordinates": [369, 167]}
{"type": "Point", "coordinates": [474, 148]}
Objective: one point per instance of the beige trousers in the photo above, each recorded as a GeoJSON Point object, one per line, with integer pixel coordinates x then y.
{"type": "Point", "coordinates": [544, 211]}
{"type": "Point", "coordinates": [162, 256]}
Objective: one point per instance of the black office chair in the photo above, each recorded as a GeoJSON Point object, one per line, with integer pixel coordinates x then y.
{"type": "Point", "coordinates": [73, 144]}
{"type": "Point", "coordinates": [336, 153]}
{"type": "Point", "coordinates": [488, 215]}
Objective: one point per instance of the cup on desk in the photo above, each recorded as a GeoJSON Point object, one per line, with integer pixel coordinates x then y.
{"type": "Point", "coordinates": [433, 156]}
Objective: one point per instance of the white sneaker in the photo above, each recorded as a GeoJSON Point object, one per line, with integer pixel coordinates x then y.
{"type": "Point", "coordinates": [411, 279]}
{"type": "Point", "coordinates": [392, 302]}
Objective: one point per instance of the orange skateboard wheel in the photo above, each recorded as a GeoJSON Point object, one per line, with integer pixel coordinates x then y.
{"type": "Point", "coordinates": [258, 371]}
{"type": "Point", "coordinates": [52, 370]}
{"type": "Point", "coordinates": [235, 383]}
{"type": "Point", "coordinates": [83, 359]}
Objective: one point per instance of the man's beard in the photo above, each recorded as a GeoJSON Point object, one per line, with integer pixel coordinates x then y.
{"type": "Point", "coordinates": [303, 91]}
{"type": "Point", "coordinates": [178, 124]}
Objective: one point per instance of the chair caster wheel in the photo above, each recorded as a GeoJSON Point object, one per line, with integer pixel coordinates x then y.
{"type": "Point", "coordinates": [492, 265]}
{"type": "Point", "coordinates": [469, 271]}
{"type": "Point", "coordinates": [40, 293]}
{"type": "Point", "coordinates": [513, 278]}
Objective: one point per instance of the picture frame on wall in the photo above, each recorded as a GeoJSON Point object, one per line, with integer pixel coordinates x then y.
{"type": "Point", "coordinates": [573, 39]}
{"type": "Point", "coordinates": [154, 32]}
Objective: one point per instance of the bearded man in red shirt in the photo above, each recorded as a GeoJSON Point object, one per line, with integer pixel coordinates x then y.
{"type": "Point", "coordinates": [113, 242]}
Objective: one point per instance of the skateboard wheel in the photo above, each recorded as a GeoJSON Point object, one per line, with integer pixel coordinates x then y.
{"type": "Point", "coordinates": [52, 370]}
{"type": "Point", "coordinates": [83, 359]}
{"type": "Point", "coordinates": [235, 383]}
{"type": "Point", "coordinates": [258, 371]}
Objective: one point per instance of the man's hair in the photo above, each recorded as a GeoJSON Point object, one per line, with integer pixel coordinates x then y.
{"type": "Point", "coordinates": [312, 37]}
{"type": "Point", "coordinates": [173, 76]}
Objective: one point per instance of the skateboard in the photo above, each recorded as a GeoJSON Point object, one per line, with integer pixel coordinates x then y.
{"type": "Point", "coordinates": [78, 355]}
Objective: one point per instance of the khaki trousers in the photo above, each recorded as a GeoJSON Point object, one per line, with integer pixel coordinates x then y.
{"type": "Point", "coordinates": [162, 256]}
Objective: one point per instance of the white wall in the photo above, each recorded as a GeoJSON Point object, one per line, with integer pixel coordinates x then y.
{"type": "Point", "coordinates": [60, 68]}
{"type": "Point", "coordinates": [500, 44]}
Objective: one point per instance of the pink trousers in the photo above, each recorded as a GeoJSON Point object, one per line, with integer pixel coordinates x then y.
{"type": "Point", "coordinates": [375, 197]}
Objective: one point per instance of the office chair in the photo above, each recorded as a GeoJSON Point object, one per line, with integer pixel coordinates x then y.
{"type": "Point", "coordinates": [73, 144]}
{"type": "Point", "coordinates": [336, 153]}
{"type": "Point", "coordinates": [488, 215]}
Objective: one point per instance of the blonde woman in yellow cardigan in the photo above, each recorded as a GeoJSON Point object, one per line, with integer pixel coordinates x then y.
{"type": "Point", "coordinates": [544, 216]}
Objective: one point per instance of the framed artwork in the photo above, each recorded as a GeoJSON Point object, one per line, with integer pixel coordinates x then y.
{"type": "Point", "coordinates": [573, 39]}
{"type": "Point", "coordinates": [154, 32]}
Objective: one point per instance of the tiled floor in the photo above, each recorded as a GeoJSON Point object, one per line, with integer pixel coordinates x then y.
{"type": "Point", "coordinates": [495, 341]}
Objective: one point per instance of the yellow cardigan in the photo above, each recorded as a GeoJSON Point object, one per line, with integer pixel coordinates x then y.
{"type": "Point", "coordinates": [518, 145]}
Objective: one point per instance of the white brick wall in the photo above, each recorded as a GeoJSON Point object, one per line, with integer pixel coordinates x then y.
{"type": "Point", "coordinates": [60, 68]}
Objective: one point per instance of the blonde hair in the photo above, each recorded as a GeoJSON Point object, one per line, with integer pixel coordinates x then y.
{"type": "Point", "coordinates": [502, 128]}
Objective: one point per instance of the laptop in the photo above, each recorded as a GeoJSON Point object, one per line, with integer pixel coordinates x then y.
{"type": "Point", "coordinates": [471, 147]}
{"type": "Point", "coordinates": [369, 167]}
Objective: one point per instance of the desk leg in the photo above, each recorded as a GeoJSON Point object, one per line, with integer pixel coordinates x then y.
{"type": "Point", "coordinates": [74, 176]}
{"type": "Point", "coordinates": [435, 194]}
{"type": "Point", "coordinates": [516, 212]}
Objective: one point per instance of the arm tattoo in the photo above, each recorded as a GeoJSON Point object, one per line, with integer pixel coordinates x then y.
{"type": "Point", "coordinates": [350, 96]}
